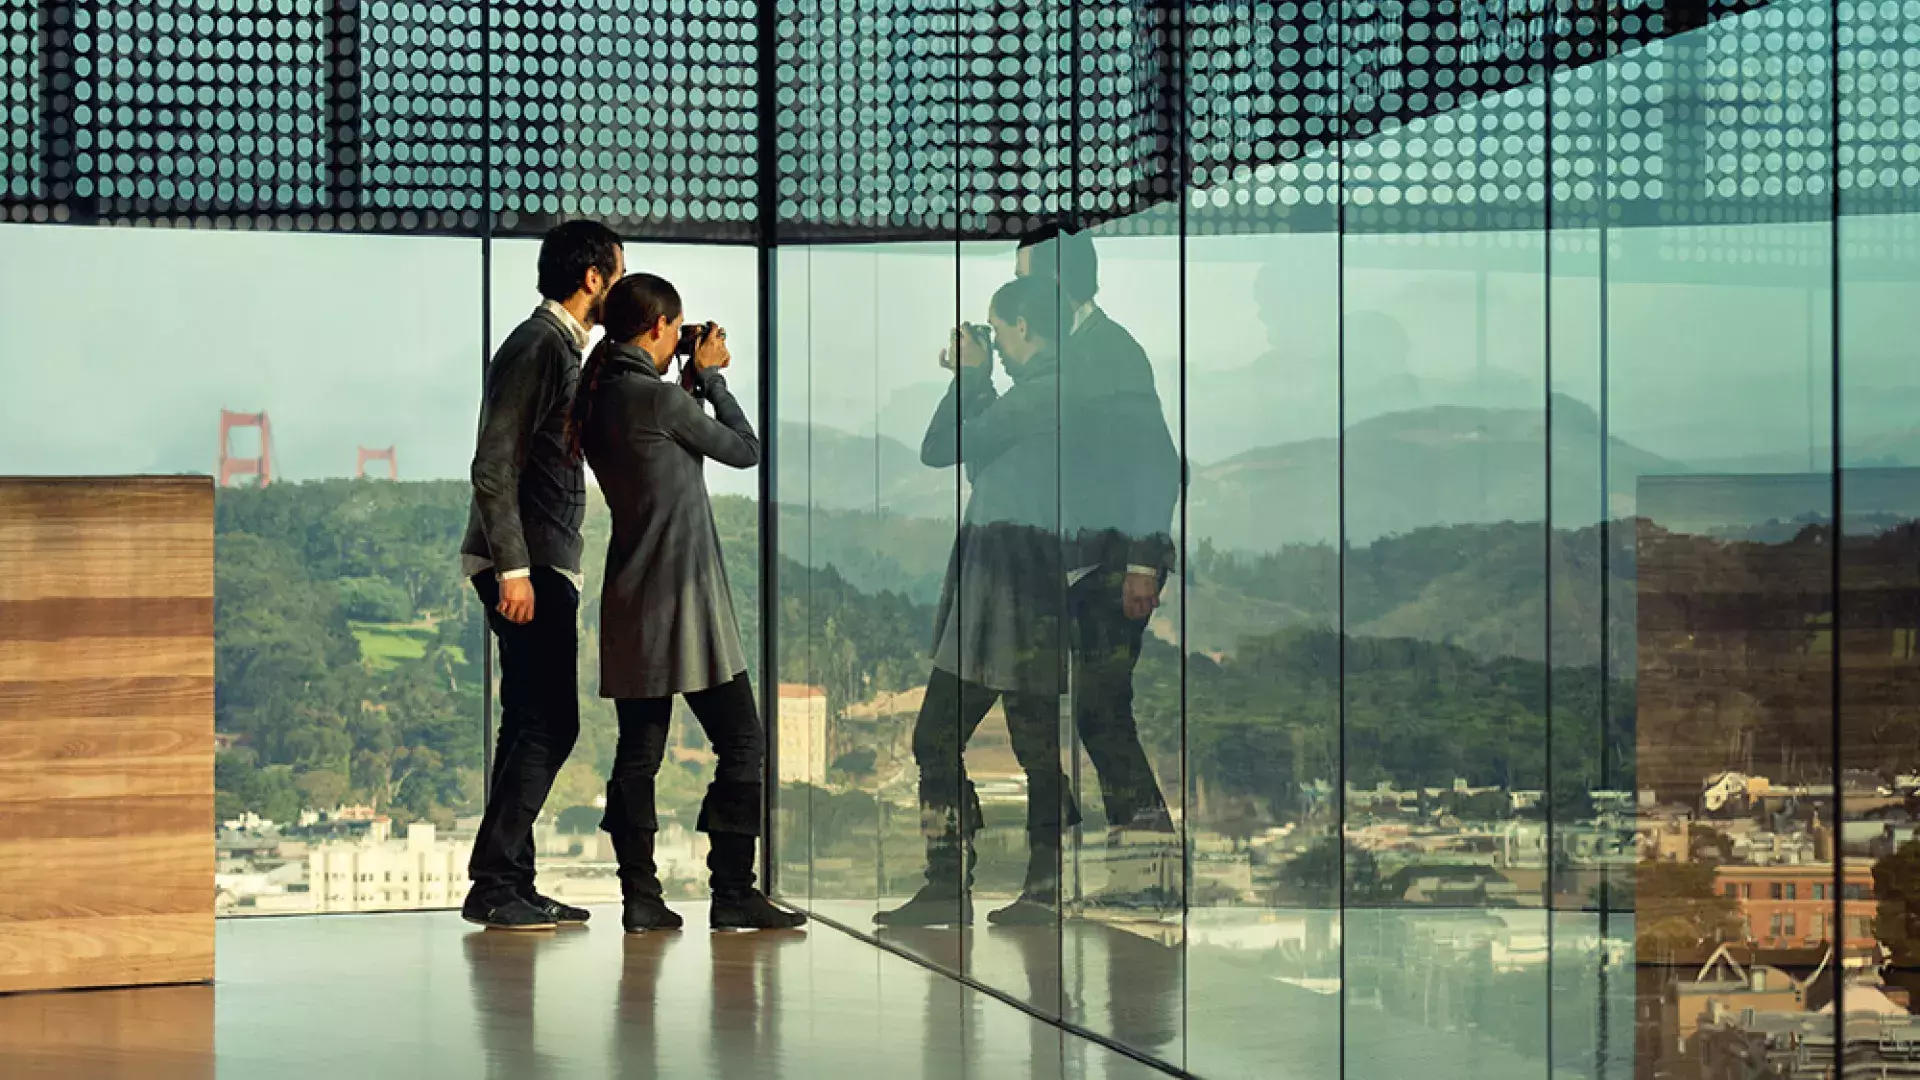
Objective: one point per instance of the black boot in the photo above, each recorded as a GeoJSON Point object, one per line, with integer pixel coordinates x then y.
{"type": "Point", "coordinates": [947, 897]}
{"type": "Point", "coordinates": [643, 913]}
{"type": "Point", "coordinates": [737, 905]}
{"type": "Point", "coordinates": [1039, 901]}
{"type": "Point", "coordinates": [631, 824]}
{"type": "Point", "coordinates": [644, 907]}
{"type": "Point", "coordinates": [939, 902]}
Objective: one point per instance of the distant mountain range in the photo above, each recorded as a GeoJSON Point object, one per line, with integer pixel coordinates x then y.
{"type": "Point", "coordinates": [837, 470]}
{"type": "Point", "coordinates": [1444, 517]}
{"type": "Point", "coordinates": [1441, 465]}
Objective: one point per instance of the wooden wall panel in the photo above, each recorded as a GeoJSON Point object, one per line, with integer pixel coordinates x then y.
{"type": "Point", "coordinates": [106, 732]}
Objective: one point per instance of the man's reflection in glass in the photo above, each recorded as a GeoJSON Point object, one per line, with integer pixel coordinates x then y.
{"type": "Point", "coordinates": [1119, 484]}
{"type": "Point", "coordinates": [998, 626]}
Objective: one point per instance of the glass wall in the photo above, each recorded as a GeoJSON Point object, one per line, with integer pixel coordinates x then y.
{"type": "Point", "coordinates": [1523, 687]}
{"type": "Point", "coordinates": [348, 669]}
{"type": "Point", "coordinates": [314, 222]}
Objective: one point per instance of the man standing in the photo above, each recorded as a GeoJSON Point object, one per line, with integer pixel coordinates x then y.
{"type": "Point", "coordinates": [1119, 484]}
{"type": "Point", "coordinates": [522, 552]}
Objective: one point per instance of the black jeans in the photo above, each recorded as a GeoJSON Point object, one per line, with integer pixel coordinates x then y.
{"type": "Point", "coordinates": [950, 714]}
{"type": "Point", "coordinates": [1106, 646]}
{"type": "Point", "coordinates": [732, 724]}
{"type": "Point", "coordinates": [539, 721]}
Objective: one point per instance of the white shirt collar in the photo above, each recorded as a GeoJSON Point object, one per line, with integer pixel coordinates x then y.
{"type": "Point", "coordinates": [579, 333]}
{"type": "Point", "coordinates": [1084, 312]}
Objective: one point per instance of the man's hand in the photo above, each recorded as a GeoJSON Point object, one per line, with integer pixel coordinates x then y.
{"type": "Point", "coordinates": [711, 354]}
{"type": "Point", "coordinates": [516, 600]}
{"type": "Point", "coordinates": [1140, 594]}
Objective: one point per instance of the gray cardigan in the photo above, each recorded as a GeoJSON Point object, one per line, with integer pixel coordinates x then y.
{"type": "Point", "coordinates": [667, 624]}
{"type": "Point", "coordinates": [529, 494]}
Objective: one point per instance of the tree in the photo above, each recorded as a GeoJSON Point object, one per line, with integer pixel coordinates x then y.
{"type": "Point", "coordinates": [293, 563]}
{"type": "Point", "coordinates": [578, 820]}
{"type": "Point", "coordinates": [856, 764]}
{"type": "Point", "coordinates": [1316, 873]}
{"type": "Point", "coordinates": [374, 599]}
{"type": "Point", "coordinates": [323, 789]}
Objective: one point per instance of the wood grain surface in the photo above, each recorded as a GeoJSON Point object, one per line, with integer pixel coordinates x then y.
{"type": "Point", "coordinates": [106, 732]}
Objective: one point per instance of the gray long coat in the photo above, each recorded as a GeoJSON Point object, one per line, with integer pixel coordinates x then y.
{"type": "Point", "coordinates": [1000, 616]}
{"type": "Point", "coordinates": [667, 624]}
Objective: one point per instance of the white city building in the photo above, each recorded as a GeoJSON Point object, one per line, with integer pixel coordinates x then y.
{"type": "Point", "coordinates": [379, 873]}
{"type": "Point", "coordinates": [803, 734]}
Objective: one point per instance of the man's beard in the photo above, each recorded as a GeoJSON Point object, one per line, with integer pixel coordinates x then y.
{"type": "Point", "coordinates": [598, 309]}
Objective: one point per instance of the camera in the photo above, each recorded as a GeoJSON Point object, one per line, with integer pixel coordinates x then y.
{"type": "Point", "coordinates": [692, 335]}
{"type": "Point", "coordinates": [981, 336]}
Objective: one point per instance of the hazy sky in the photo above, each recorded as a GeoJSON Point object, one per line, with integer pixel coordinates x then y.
{"type": "Point", "coordinates": [120, 346]}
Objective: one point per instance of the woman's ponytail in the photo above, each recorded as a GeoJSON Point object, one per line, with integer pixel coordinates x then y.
{"type": "Point", "coordinates": [582, 410]}
{"type": "Point", "coordinates": [635, 304]}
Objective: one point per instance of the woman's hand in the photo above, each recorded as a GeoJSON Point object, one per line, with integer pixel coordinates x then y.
{"type": "Point", "coordinates": [965, 344]}
{"type": "Point", "coordinates": [711, 354]}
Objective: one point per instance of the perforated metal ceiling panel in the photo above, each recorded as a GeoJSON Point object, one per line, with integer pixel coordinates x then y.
{"type": "Point", "coordinates": [946, 118]}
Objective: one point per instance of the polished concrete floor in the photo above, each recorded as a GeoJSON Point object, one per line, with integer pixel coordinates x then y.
{"type": "Point", "coordinates": [425, 995]}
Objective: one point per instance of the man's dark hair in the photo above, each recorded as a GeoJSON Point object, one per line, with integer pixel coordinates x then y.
{"type": "Point", "coordinates": [1066, 255]}
{"type": "Point", "coordinates": [635, 304]}
{"type": "Point", "coordinates": [568, 251]}
{"type": "Point", "coordinates": [1035, 299]}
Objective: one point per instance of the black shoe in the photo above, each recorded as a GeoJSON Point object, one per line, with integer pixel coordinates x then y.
{"type": "Point", "coordinates": [563, 914]}
{"type": "Point", "coordinates": [933, 905]}
{"type": "Point", "coordinates": [1026, 911]}
{"type": "Point", "coordinates": [644, 913]}
{"type": "Point", "coordinates": [512, 913]}
{"type": "Point", "coordinates": [751, 910]}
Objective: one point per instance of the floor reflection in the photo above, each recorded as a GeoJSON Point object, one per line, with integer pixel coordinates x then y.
{"type": "Point", "coordinates": [152, 1033]}
{"type": "Point", "coordinates": [748, 1004]}
{"type": "Point", "coordinates": [636, 1041]}
{"type": "Point", "coordinates": [423, 995]}
{"type": "Point", "coordinates": [1420, 994]}
{"type": "Point", "coordinates": [1439, 993]}
{"type": "Point", "coordinates": [501, 969]}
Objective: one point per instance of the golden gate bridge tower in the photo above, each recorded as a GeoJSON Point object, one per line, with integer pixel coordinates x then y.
{"type": "Point", "coordinates": [231, 466]}
{"type": "Point", "coordinates": [368, 457]}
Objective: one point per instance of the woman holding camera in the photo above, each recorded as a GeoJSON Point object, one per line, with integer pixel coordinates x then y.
{"type": "Point", "coordinates": [667, 624]}
{"type": "Point", "coordinates": [998, 632]}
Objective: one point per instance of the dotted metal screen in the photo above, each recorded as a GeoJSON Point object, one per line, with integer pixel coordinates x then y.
{"type": "Point", "coordinates": [20, 110]}
{"type": "Point", "coordinates": [383, 116]}
{"type": "Point", "coordinates": [893, 119]}
{"type": "Point", "coordinates": [1422, 115]}
{"type": "Point", "coordinates": [410, 112]}
{"type": "Point", "coordinates": [972, 118]}
{"type": "Point", "coordinates": [1879, 152]}
{"type": "Point", "coordinates": [642, 113]}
